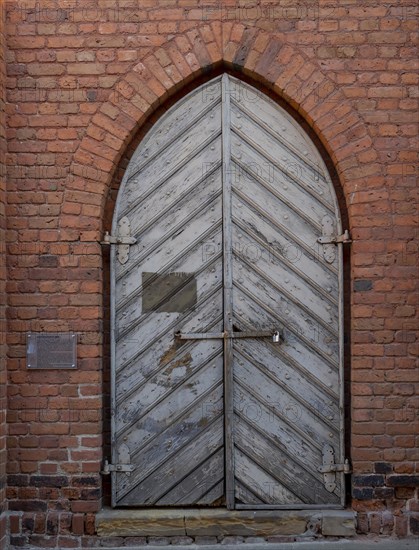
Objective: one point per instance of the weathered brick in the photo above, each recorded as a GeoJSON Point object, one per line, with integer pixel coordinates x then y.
{"type": "Point", "coordinates": [48, 481]}
{"type": "Point", "coordinates": [368, 480]}
{"type": "Point", "coordinates": [414, 524]}
{"type": "Point", "coordinates": [383, 493]}
{"type": "Point", "coordinates": [395, 480]}
{"type": "Point", "coordinates": [364, 493]}
{"type": "Point", "coordinates": [81, 81]}
{"type": "Point", "coordinates": [28, 505]}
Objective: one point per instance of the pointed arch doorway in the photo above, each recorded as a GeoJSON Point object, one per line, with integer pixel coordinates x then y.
{"type": "Point", "coordinates": [226, 312]}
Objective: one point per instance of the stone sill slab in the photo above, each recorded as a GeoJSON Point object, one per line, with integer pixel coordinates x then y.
{"type": "Point", "coordinates": [221, 522]}
{"type": "Point", "coordinates": [356, 544]}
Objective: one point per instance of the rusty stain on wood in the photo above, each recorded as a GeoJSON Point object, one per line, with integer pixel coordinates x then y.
{"type": "Point", "coordinates": [184, 361]}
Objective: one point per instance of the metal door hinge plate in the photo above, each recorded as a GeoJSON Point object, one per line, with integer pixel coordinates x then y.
{"type": "Point", "coordinates": [123, 462]}
{"type": "Point", "coordinates": [345, 468]}
{"type": "Point", "coordinates": [330, 240]}
{"type": "Point", "coordinates": [108, 468]}
{"type": "Point", "coordinates": [123, 239]}
{"type": "Point", "coordinates": [329, 468]}
{"type": "Point", "coordinates": [345, 238]}
{"type": "Point", "coordinates": [110, 239]}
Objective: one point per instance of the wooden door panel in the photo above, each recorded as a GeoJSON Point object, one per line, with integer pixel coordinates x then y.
{"type": "Point", "coordinates": [174, 471]}
{"type": "Point", "coordinates": [204, 481]}
{"type": "Point", "coordinates": [281, 280]}
{"type": "Point", "coordinates": [227, 198]}
{"type": "Point", "coordinates": [168, 395]}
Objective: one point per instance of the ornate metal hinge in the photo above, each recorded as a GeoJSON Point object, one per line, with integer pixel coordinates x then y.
{"type": "Point", "coordinates": [329, 468]}
{"type": "Point", "coordinates": [123, 239]}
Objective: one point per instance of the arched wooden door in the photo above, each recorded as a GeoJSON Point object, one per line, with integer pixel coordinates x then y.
{"type": "Point", "coordinates": [227, 311]}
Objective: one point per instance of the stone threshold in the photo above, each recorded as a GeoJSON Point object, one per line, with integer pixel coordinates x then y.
{"type": "Point", "coordinates": [194, 522]}
{"type": "Point", "coordinates": [363, 543]}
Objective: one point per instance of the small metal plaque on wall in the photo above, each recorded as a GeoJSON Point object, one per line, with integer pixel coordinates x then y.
{"type": "Point", "coordinates": [51, 350]}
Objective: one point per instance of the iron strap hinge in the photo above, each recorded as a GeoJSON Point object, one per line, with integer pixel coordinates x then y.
{"type": "Point", "coordinates": [123, 239]}
{"type": "Point", "coordinates": [110, 239]}
{"type": "Point", "coordinates": [108, 468]}
{"type": "Point", "coordinates": [345, 238]}
{"type": "Point", "coordinates": [329, 468]}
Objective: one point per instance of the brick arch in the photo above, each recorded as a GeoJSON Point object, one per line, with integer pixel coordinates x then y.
{"type": "Point", "coordinates": [282, 69]}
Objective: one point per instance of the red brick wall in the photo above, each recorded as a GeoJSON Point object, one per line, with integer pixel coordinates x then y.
{"type": "Point", "coordinates": [82, 84]}
{"type": "Point", "coordinates": [3, 374]}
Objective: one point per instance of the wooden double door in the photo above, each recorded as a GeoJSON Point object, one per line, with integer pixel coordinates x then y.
{"type": "Point", "coordinates": [226, 311]}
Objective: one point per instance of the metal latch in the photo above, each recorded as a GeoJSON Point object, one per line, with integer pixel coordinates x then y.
{"type": "Point", "coordinates": [329, 468]}
{"type": "Point", "coordinates": [108, 468]}
{"type": "Point", "coordinates": [123, 239]}
{"type": "Point", "coordinates": [329, 239]}
{"type": "Point", "coordinates": [276, 335]}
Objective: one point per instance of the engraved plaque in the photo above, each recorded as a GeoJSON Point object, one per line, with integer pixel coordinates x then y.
{"type": "Point", "coordinates": [51, 350]}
